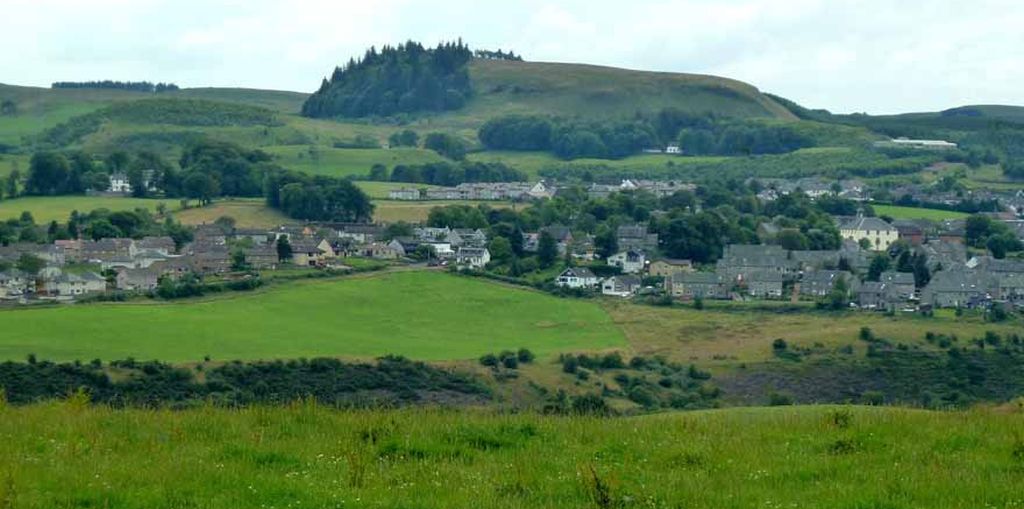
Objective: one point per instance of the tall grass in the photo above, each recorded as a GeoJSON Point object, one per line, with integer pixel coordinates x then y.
{"type": "Point", "coordinates": [71, 454]}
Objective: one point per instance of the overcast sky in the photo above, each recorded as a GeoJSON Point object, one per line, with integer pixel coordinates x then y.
{"type": "Point", "coordinates": [844, 55]}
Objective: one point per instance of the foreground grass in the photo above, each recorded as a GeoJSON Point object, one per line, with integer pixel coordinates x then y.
{"type": "Point", "coordinates": [428, 316]}
{"type": "Point", "coordinates": [58, 208]}
{"type": "Point", "coordinates": [73, 455]}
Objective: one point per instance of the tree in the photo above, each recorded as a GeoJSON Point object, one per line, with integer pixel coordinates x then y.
{"type": "Point", "coordinates": [879, 264]}
{"type": "Point", "coordinates": [12, 183]}
{"type": "Point", "coordinates": [202, 187]}
{"type": "Point", "coordinates": [606, 242]}
{"type": "Point", "coordinates": [501, 251]}
{"type": "Point", "coordinates": [48, 174]}
{"type": "Point", "coordinates": [103, 229]}
{"type": "Point", "coordinates": [8, 108]}
{"type": "Point", "coordinates": [547, 249]}
{"type": "Point", "coordinates": [404, 138]}
{"type": "Point", "coordinates": [792, 240]}
{"type": "Point", "coordinates": [225, 223]}
{"type": "Point", "coordinates": [238, 261]}
{"type": "Point", "coordinates": [447, 145]}
{"type": "Point", "coordinates": [284, 249]}
{"type": "Point", "coordinates": [30, 264]}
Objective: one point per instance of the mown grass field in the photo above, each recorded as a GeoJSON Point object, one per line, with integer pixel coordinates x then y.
{"type": "Point", "coordinates": [379, 190]}
{"type": "Point", "coordinates": [58, 208]}
{"type": "Point", "coordinates": [73, 455]}
{"type": "Point", "coordinates": [897, 212]}
{"type": "Point", "coordinates": [422, 315]}
{"type": "Point", "coordinates": [247, 213]}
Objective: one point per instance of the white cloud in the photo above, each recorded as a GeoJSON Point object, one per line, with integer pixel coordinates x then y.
{"type": "Point", "coordinates": [845, 55]}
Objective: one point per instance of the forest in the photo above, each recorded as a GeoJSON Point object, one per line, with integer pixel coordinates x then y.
{"type": "Point", "coordinates": [402, 79]}
{"type": "Point", "coordinates": [695, 134]}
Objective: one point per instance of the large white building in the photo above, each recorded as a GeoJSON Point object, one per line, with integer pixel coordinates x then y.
{"type": "Point", "coordinates": [878, 233]}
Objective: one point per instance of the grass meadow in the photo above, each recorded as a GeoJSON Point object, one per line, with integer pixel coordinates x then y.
{"type": "Point", "coordinates": [71, 454]}
{"type": "Point", "coordinates": [422, 315]}
{"type": "Point", "coordinates": [58, 208]}
{"type": "Point", "coordinates": [248, 213]}
{"type": "Point", "coordinates": [897, 212]}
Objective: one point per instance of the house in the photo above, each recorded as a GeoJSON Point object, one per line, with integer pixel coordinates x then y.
{"type": "Point", "coordinates": [636, 237]}
{"type": "Point", "coordinates": [764, 285]}
{"type": "Point", "coordinates": [211, 260]}
{"type": "Point", "coordinates": [473, 257]}
{"type": "Point", "coordinates": [879, 234]}
{"type": "Point", "coordinates": [741, 260]}
{"type": "Point", "coordinates": [703, 285]}
{"type": "Point", "coordinates": [631, 262]}
{"type": "Point", "coordinates": [262, 257]}
{"type": "Point", "coordinates": [309, 251]}
{"type": "Point", "coordinates": [909, 231]}
{"type": "Point", "coordinates": [360, 233]}
{"type": "Point", "coordinates": [577, 277]}
{"type": "Point", "coordinates": [820, 283]}
{"type": "Point", "coordinates": [69, 286]}
{"type": "Point", "coordinates": [667, 267]}
{"type": "Point", "coordinates": [119, 183]}
{"type": "Point", "coordinates": [14, 284]}
{"type": "Point", "coordinates": [561, 234]}
{"type": "Point", "coordinates": [921, 144]}
{"type": "Point", "coordinates": [257, 236]}
{"type": "Point", "coordinates": [405, 194]}
{"type": "Point", "coordinates": [901, 284]}
{"type": "Point", "coordinates": [621, 286]}
{"type": "Point", "coordinates": [103, 249]}
{"type": "Point", "coordinates": [943, 255]}
{"type": "Point", "coordinates": [467, 237]}
{"type": "Point", "coordinates": [163, 245]}
{"type": "Point", "coordinates": [873, 295]}
{"type": "Point", "coordinates": [958, 288]}
{"type": "Point", "coordinates": [673, 149]}
{"type": "Point", "coordinates": [381, 251]}
{"type": "Point", "coordinates": [138, 280]}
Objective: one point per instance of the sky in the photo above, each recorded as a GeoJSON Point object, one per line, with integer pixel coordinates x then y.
{"type": "Point", "coordinates": [869, 56]}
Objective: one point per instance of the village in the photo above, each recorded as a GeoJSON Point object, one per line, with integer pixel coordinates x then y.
{"type": "Point", "coordinates": [70, 270]}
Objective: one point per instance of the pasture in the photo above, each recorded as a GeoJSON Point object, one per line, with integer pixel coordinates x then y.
{"type": "Point", "coordinates": [58, 208]}
{"type": "Point", "coordinates": [819, 457]}
{"type": "Point", "coordinates": [897, 212]}
{"type": "Point", "coordinates": [343, 162]}
{"type": "Point", "coordinates": [421, 315]}
{"type": "Point", "coordinates": [247, 213]}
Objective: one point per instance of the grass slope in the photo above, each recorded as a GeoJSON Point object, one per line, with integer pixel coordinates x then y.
{"type": "Point", "coordinates": [58, 208]}
{"type": "Point", "coordinates": [342, 162]}
{"type": "Point", "coordinates": [421, 315]}
{"type": "Point", "coordinates": [72, 455]}
{"type": "Point", "coordinates": [897, 212]}
{"type": "Point", "coordinates": [248, 213]}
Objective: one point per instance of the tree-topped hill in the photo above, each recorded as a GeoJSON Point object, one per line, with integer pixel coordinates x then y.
{"type": "Point", "coordinates": [402, 79]}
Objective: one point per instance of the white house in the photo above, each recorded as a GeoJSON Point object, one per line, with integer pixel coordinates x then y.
{"type": "Point", "coordinates": [404, 193]}
{"type": "Point", "coordinates": [577, 277]}
{"type": "Point", "coordinates": [119, 183]}
{"type": "Point", "coordinates": [877, 232]}
{"type": "Point", "coordinates": [621, 286]}
{"type": "Point", "coordinates": [673, 149]}
{"type": "Point", "coordinates": [631, 262]}
{"type": "Point", "coordinates": [473, 257]}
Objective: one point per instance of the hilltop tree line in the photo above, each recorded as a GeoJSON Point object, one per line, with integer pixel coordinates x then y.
{"type": "Point", "coordinates": [695, 134]}
{"type": "Point", "coordinates": [497, 55]}
{"type": "Point", "coordinates": [402, 79]}
{"type": "Point", "coordinates": [134, 86]}
{"type": "Point", "coordinates": [447, 174]}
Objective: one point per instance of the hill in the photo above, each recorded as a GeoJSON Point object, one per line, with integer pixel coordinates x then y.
{"type": "Point", "coordinates": [305, 455]}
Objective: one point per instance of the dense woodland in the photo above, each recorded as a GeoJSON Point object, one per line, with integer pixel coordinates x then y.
{"type": "Point", "coordinates": [696, 134]}
{"type": "Point", "coordinates": [134, 86]}
{"type": "Point", "coordinates": [402, 79]}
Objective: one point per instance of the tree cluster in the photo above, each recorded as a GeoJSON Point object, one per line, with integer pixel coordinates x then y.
{"type": "Point", "coordinates": [317, 198]}
{"type": "Point", "coordinates": [402, 79]}
{"type": "Point", "coordinates": [134, 86]}
{"type": "Point", "coordinates": [484, 54]}
{"type": "Point", "coordinates": [449, 174]}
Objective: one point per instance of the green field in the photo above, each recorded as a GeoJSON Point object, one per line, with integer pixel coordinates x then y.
{"type": "Point", "coordinates": [57, 208]}
{"type": "Point", "coordinates": [341, 162]}
{"type": "Point", "coordinates": [247, 213]}
{"type": "Point", "coordinates": [379, 190]}
{"type": "Point", "coordinates": [73, 455]}
{"type": "Point", "coordinates": [422, 315]}
{"type": "Point", "coordinates": [897, 212]}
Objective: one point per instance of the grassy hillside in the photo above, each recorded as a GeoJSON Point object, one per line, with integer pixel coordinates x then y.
{"type": "Point", "coordinates": [420, 315]}
{"type": "Point", "coordinates": [72, 455]}
{"type": "Point", "coordinates": [57, 208]}
{"type": "Point", "coordinates": [896, 212]}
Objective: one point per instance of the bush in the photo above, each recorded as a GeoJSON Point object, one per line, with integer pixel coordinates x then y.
{"type": "Point", "coordinates": [780, 399]}
{"type": "Point", "coordinates": [489, 360]}
{"type": "Point", "coordinates": [779, 345]}
{"type": "Point", "coordinates": [525, 356]}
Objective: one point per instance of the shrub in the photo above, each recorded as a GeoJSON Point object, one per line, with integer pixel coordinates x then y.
{"type": "Point", "coordinates": [525, 356]}
{"type": "Point", "coordinates": [780, 399]}
{"type": "Point", "coordinates": [489, 360]}
{"type": "Point", "coordinates": [779, 345]}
